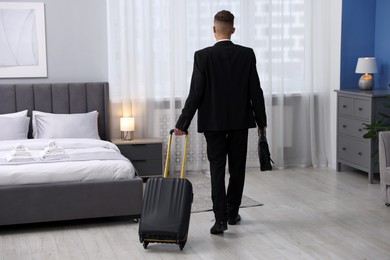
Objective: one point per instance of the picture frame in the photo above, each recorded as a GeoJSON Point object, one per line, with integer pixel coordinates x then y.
{"type": "Point", "coordinates": [22, 40]}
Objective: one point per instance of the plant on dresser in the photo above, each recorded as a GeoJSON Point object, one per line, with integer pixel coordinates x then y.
{"type": "Point", "coordinates": [382, 124]}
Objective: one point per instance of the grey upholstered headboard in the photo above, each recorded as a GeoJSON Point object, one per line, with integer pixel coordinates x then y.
{"type": "Point", "coordinates": [58, 98]}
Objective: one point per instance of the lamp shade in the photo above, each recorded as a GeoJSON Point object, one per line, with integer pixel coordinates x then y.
{"type": "Point", "coordinates": [366, 65]}
{"type": "Point", "coordinates": [127, 124]}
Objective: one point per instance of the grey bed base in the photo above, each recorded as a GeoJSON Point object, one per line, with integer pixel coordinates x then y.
{"type": "Point", "coordinates": [21, 204]}
{"type": "Point", "coordinates": [63, 201]}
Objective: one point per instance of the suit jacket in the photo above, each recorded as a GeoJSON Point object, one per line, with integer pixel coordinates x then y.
{"type": "Point", "coordinates": [225, 89]}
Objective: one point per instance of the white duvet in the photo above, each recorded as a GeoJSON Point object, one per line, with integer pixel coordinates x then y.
{"type": "Point", "coordinates": [86, 160]}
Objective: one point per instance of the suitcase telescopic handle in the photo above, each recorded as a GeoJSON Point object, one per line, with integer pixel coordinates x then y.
{"type": "Point", "coordinates": [183, 159]}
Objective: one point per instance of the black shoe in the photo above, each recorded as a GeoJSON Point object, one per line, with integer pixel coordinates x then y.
{"type": "Point", "coordinates": [234, 220]}
{"type": "Point", "coordinates": [218, 227]}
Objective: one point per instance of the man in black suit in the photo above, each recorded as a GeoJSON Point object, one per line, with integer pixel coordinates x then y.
{"type": "Point", "coordinates": [225, 89]}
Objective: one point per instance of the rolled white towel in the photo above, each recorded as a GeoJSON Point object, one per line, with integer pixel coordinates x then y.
{"type": "Point", "coordinates": [19, 154]}
{"type": "Point", "coordinates": [53, 150]}
{"type": "Point", "coordinates": [20, 151]}
{"type": "Point", "coordinates": [52, 143]}
{"type": "Point", "coordinates": [53, 157]}
{"type": "Point", "coordinates": [20, 148]}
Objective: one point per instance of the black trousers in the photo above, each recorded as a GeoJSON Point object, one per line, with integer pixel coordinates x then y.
{"type": "Point", "coordinates": [232, 145]}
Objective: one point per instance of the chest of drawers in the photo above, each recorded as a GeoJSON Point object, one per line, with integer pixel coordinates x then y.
{"type": "Point", "coordinates": [354, 109]}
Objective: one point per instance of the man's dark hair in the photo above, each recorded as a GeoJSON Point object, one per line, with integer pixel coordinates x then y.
{"type": "Point", "coordinates": [225, 17]}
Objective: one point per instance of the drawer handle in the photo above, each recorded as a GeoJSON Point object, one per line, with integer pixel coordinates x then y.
{"type": "Point", "coordinates": [344, 126]}
{"type": "Point", "coordinates": [360, 109]}
{"type": "Point", "coordinates": [360, 129]}
{"type": "Point", "coordinates": [344, 106]}
{"type": "Point", "coordinates": [344, 149]}
{"type": "Point", "coordinates": [359, 153]}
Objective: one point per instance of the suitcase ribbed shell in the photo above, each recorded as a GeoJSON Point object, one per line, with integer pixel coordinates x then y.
{"type": "Point", "coordinates": [166, 210]}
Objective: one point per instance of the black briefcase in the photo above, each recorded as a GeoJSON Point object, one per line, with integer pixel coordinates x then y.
{"type": "Point", "coordinates": [264, 154]}
{"type": "Point", "coordinates": [166, 210]}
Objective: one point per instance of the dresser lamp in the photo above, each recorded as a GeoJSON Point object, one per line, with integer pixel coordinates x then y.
{"type": "Point", "coordinates": [366, 65]}
{"type": "Point", "coordinates": [127, 128]}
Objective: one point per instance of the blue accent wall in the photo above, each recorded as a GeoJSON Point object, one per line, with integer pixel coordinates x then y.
{"type": "Point", "coordinates": [357, 38]}
{"type": "Point", "coordinates": [382, 43]}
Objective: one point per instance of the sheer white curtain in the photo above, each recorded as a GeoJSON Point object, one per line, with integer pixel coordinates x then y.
{"type": "Point", "coordinates": [151, 45]}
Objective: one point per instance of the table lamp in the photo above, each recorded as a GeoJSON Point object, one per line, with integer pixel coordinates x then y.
{"type": "Point", "coordinates": [366, 65]}
{"type": "Point", "coordinates": [127, 128]}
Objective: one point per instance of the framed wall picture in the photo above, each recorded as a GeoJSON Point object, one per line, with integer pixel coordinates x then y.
{"type": "Point", "coordinates": [22, 40]}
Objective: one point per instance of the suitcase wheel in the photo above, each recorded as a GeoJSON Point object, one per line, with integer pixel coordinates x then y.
{"type": "Point", "coordinates": [146, 244]}
{"type": "Point", "coordinates": [181, 245]}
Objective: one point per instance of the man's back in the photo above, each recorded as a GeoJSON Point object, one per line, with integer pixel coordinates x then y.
{"type": "Point", "coordinates": [230, 83]}
{"type": "Point", "coordinates": [225, 87]}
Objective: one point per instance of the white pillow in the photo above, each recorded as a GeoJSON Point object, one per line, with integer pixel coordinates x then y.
{"type": "Point", "coordinates": [14, 128]}
{"type": "Point", "coordinates": [48, 125]}
{"type": "Point", "coordinates": [16, 114]}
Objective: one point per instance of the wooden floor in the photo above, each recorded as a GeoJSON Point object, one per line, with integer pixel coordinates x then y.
{"type": "Point", "coordinates": [307, 214]}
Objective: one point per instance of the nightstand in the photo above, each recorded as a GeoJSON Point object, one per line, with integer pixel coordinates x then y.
{"type": "Point", "coordinates": [144, 154]}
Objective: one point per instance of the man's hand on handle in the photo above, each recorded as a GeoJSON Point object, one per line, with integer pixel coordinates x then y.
{"type": "Point", "coordinates": [179, 132]}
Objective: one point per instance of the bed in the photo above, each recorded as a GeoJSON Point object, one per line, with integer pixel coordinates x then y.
{"type": "Point", "coordinates": [31, 202]}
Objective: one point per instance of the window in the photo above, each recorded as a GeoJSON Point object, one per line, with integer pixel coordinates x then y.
{"type": "Point", "coordinates": [167, 33]}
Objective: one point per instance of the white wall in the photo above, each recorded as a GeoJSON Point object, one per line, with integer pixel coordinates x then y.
{"type": "Point", "coordinates": [76, 41]}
